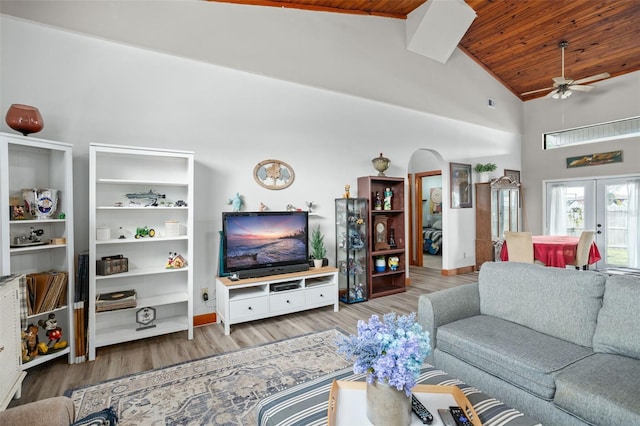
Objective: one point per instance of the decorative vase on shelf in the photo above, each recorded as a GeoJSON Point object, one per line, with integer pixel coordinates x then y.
{"type": "Point", "coordinates": [387, 406]}
{"type": "Point", "coordinates": [381, 164]}
{"type": "Point", "coordinates": [24, 119]}
{"type": "Point", "coordinates": [485, 177]}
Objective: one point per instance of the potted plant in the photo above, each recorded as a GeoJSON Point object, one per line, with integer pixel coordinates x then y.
{"type": "Point", "coordinates": [484, 170]}
{"type": "Point", "coordinates": [318, 250]}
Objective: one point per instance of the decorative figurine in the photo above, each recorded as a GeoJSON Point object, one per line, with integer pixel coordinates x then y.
{"type": "Point", "coordinates": [179, 203]}
{"type": "Point", "coordinates": [291, 208]}
{"type": "Point", "coordinates": [309, 205]}
{"type": "Point", "coordinates": [377, 204]}
{"type": "Point", "coordinates": [122, 236]}
{"type": "Point", "coordinates": [32, 340]}
{"type": "Point", "coordinates": [145, 232]}
{"type": "Point", "coordinates": [347, 194]}
{"type": "Point", "coordinates": [17, 212]}
{"type": "Point", "coordinates": [236, 202]}
{"type": "Point", "coordinates": [54, 333]}
{"type": "Point", "coordinates": [387, 199]}
{"type": "Point", "coordinates": [359, 291]}
{"type": "Point", "coordinates": [176, 261]}
{"type": "Point", "coordinates": [33, 239]}
{"type": "Point", "coordinates": [263, 207]}
{"type": "Point", "coordinates": [25, 352]}
{"type": "Point", "coordinates": [392, 238]}
{"type": "Point", "coordinates": [152, 196]}
{"type": "Point", "coordinates": [393, 262]}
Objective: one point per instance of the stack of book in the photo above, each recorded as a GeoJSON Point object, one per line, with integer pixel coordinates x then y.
{"type": "Point", "coordinates": [46, 291]}
{"type": "Point", "coordinates": [116, 300]}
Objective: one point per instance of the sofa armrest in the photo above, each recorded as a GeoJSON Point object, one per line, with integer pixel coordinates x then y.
{"type": "Point", "coordinates": [58, 410]}
{"type": "Point", "coordinates": [445, 306]}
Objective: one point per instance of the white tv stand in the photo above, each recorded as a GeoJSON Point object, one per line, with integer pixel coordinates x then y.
{"type": "Point", "coordinates": [255, 298]}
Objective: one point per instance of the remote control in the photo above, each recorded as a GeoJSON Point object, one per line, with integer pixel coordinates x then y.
{"type": "Point", "coordinates": [445, 415]}
{"type": "Point", "coordinates": [421, 411]}
{"type": "Point", "coordinates": [459, 416]}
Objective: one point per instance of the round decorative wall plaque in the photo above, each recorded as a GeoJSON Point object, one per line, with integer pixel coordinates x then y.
{"type": "Point", "coordinates": [273, 174]}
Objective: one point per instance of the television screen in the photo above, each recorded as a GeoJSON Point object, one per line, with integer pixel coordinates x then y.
{"type": "Point", "coordinates": [263, 243]}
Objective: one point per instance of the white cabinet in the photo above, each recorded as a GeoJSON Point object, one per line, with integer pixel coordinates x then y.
{"type": "Point", "coordinates": [31, 163]}
{"type": "Point", "coordinates": [11, 374]}
{"type": "Point", "coordinates": [166, 212]}
{"type": "Point", "coordinates": [256, 298]}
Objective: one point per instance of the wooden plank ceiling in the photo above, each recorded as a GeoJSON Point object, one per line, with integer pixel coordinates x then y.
{"type": "Point", "coordinates": [517, 40]}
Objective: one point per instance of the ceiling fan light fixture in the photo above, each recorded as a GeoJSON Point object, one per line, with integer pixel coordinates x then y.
{"type": "Point", "coordinates": [566, 94]}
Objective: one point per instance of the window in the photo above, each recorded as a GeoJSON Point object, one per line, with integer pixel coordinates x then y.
{"type": "Point", "coordinates": [620, 129]}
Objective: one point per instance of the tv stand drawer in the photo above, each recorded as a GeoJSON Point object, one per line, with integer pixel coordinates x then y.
{"type": "Point", "coordinates": [246, 308]}
{"type": "Point", "coordinates": [286, 301]}
{"type": "Point", "coordinates": [322, 295]}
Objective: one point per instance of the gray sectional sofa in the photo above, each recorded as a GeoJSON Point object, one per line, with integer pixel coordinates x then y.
{"type": "Point", "coordinates": [560, 345]}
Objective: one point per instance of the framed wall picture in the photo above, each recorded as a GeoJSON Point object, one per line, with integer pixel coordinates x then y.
{"type": "Point", "coordinates": [461, 192]}
{"type": "Point", "coordinates": [513, 174]}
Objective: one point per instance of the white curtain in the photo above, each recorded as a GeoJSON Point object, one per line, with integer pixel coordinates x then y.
{"type": "Point", "coordinates": [633, 223]}
{"type": "Point", "coordinates": [558, 210]}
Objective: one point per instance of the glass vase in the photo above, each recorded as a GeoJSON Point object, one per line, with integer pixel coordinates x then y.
{"type": "Point", "coordinates": [387, 406]}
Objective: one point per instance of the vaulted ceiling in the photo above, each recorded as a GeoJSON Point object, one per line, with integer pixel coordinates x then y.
{"type": "Point", "coordinates": [517, 40]}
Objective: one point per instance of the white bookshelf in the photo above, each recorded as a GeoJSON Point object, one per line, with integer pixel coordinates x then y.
{"type": "Point", "coordinates": [116, 171]}
{"type": "Point", "coordinates": [27, 162]}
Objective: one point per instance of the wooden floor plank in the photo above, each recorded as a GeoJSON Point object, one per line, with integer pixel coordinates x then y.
{"type": "Point", "coordinates": [54, 378]}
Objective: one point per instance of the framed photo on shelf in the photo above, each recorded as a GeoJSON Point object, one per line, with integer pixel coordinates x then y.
{"type": "Point", "coordinates": [513, 174]}
{"type": "Point", "coordinates": [460, 183]}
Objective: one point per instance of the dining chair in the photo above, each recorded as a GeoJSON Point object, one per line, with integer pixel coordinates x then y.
{"type": "Point", "coordinates": [582, 252]}
{"type": "Point", "coordinates": [520, 246]}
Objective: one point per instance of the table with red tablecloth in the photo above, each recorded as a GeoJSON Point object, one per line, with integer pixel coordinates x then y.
{"type": "Point", "coordinates": [555, 250]}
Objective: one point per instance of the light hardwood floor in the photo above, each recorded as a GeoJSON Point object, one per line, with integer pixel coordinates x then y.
{"type": "Point", "coordinates": [56, 377]}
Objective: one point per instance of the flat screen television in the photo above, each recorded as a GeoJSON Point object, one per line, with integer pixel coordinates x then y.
{"type": "Point", "coordinates": [258, 244]}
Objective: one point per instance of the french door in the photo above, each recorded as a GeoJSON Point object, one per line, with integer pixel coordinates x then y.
{"type": "Point", "coordinates": [608, 205]}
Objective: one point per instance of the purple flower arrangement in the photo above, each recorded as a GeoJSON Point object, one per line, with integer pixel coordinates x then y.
{"type": "Point", "coordinates": [391, 350]}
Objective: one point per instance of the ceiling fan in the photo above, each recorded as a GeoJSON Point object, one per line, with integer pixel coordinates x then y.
{"type": "Point", "coordinates": [563, 87]}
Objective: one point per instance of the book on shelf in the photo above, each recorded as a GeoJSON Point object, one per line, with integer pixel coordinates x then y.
{"type": "Point", "coordinates": [116, 300]}
{"type": "Point", "coordinates": [46, 291]}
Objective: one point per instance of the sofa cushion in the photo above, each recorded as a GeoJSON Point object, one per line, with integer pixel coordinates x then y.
{"type": "Point", "coordinates": [563, 303]}
{"type": "Point", "coordinates": [619, 318]}
{"type": "Point", "coordinates": [603, 389]}
{"type": "Point", "coordinates": [521, 356]}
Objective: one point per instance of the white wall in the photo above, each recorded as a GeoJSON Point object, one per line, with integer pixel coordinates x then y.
{"type": "Point", "coordinates": [612, 99]}
{"type": "Point", "coordinates": [91, 90]}
{"type": "Point", "coordinates": [353, 54]}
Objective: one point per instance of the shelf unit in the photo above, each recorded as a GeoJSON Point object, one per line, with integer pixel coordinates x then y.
{"type": "Point", "coordinates": [27, 162]}
{"type": "Point", "coordinates": [389, 281]}
{"type": "Point", "coordinates": [498, 209]}
{"type": "Point", "coordinates": [257, 298]}
{"type": "Point", "coordinates": [114, 172]}
{"type": "Point", "coordinates": [352, 228]}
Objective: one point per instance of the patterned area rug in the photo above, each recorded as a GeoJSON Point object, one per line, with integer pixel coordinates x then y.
{"type": "Point", "coordinates": [221, 390]}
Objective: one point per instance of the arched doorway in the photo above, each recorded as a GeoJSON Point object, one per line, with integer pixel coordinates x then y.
{"type": "Point", "coordinates": [425, 209]}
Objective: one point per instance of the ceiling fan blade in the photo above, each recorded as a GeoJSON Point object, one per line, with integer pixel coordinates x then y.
{"type": "Point", "coordinates": [580, 88]}
{"type": "Point", "coordinates": [560, 80]}
{"type": "Point", "coordinates": [536, 91]}
{"type": "Point", "coordinates": [593, 78]}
